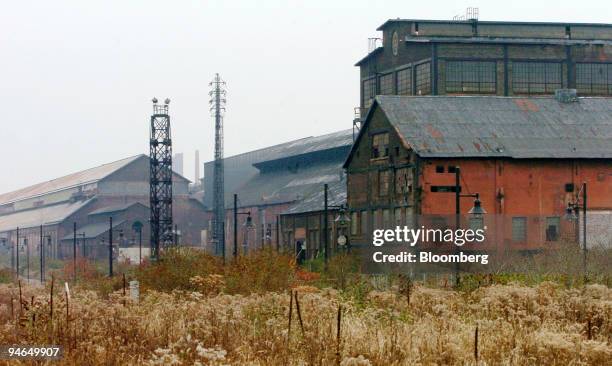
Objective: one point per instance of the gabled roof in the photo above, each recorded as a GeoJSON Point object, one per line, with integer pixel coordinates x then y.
{"type": "Point", "coordinates": [86, 176]}
{"type": "Point", "coordinates": [46, 215]}
{"type": "Point", "coordinates": [490, 126]}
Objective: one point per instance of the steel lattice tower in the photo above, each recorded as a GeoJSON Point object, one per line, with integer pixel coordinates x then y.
{"type": "Point", "coordinates": [160, 179]}
{"type": "Point", "coordinates": [217, 108]}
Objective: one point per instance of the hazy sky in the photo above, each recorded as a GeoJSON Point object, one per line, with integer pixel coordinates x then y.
{"type": "Point", "coordinates": [77, 77]}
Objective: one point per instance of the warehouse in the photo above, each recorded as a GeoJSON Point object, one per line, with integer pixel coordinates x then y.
{"type": "Point", "coordinates": [526, 158]}
{"type": "Point", "coordinates": [89, 198]}
{"type": "Point", "coordinates": [280, 180]}
{"type": "Point", "coordinates": [444, 57]}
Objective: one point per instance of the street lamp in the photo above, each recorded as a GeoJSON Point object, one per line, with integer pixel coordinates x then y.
{"type": "Point", "coordinates": [326, 208]}
{"type": "Point", "coordinates": [248, 225]}
{"type": "Point", "coordinates": [571, 214]}
{"type": "Point", "coordinates": [342, 220]}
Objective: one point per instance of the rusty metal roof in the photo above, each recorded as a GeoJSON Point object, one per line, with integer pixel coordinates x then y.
{"type": "Point", "coordinates": [315, 201]}
{"type": "Point", "coordinates": [490, 126]}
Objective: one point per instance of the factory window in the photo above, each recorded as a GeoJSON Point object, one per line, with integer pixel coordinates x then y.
{"type": "Point", "coordinates": [380, 145]}
{"type": "Point", "coordinates": [452, 169]}
{"type": "Point", "coordinates": [552, 228]}
{"type": "Point", "coordinates": [594, 79]}
{"type": "Point", "coordinates": [439, 168]}
{"type": "Point", "coordinates": [519, 229]}
{"type": "Point", "coordinates": [423, 79]}
{"type": "Point", "coordinates": [383, 182]}
{"type": "Point", "coordinates": [404, 82]}
{"type": "Point", "coordinates": [354, 223]}
{"type": "Point", "coordinates": [386, 84]}
{"type": "Point", "coordinates": [536, 77]}
{"type": "Point", "coordinates": [369, 91]}
{"type": "Point", "coordinates": [470, 77]}
{"type": "Point", "coordinates": [363, 227]}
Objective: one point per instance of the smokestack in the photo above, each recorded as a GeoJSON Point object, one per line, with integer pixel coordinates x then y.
{"type": "Point", "coordinates": [197, 167]}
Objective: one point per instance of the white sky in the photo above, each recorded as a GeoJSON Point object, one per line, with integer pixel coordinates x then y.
{"type": "Point", "coordinates": [77, 77]}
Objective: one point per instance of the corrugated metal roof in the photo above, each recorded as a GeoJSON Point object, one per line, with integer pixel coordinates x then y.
{"type": "Point", "coordinates": [46, 215]}
{"type": "Point", "coordinates": [315, 201]}
{"type": "Point", "coordinates": [240, 168]}
{"type": "Point", "coordinates": [491, 22]}
{"type": "Point", "coordinates": [479, 126]}
{"type": "Point", "coordinates": [508, 40]}
{"type": "Point", "coordinates": [72, 180]}
{"type": "Point", "coordinates": [92, 231]}
{"type": "Point", "coordinates": [115, 208]}
{"type": "Point", "coordinates": [283, 186]}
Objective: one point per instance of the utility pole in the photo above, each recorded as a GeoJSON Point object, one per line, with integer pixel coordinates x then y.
{"type": "Point", "coordinates": [110, 247]}
{"type": "Point", "coordinates": [42, 257]}
{"type": "Point", "coordinates": [17, 253]}
{"type": "Point", "coordinates": [325, 224]}
{"type": "Point", "coordinates": [217, 108]}
{"type": "Point", "coordinates": [235, 227]}
{"type": "Point", "coordinates": [74, 249]}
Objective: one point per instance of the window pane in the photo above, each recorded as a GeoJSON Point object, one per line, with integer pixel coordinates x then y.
{"type": "Point", "coordinates": [552, 228]}
{"type": "Point", "coordinates": [386, 84]}
{"type": "Point", "coordinates": [423, 79]}
{"type": "Point", "coordinates": [470, 77]}
{"type": "Point", "coordinates": [383, 183]}
{"type": "Point", "coordinates": [354, 223]}
{"type": "Point", "coordinates": [404, 82]}
{"type": "Point", "coordinates": [364, 222]}
{"type": "Point", "coordinates": [380, 145]}
{"type": "Point", "coordinates": [536, 77]}
{"type": "Point", "coordinates": [519, 228]}
{"type": "Point", "coordinates": [594, 79]}
{"type": "Point", "coordinates": [369, 90]}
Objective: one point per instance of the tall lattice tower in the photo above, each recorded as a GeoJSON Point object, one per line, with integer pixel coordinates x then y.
{"type": "Point", "coordinates": [160, 180]}
{"type": "Point", "coordinates": [217, 108]}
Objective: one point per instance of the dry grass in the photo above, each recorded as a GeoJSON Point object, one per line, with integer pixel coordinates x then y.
{"type": "Point", "coordinates": [517, 325]}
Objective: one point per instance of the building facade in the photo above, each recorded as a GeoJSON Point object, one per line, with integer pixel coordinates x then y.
{"type": "Point", "coordinates": [527, 158]}
{"type": "Point", "coordinates": [88, 198]}
{"type": "Point", "coordinates": [471, 57]}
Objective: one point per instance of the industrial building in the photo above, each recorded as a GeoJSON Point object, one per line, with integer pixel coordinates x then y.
{"type": "Point", "coordinates": [89, 198]}
{"type": "Point", "coordinates": [458, 57]}
{"type": "Point", "coordinates": [281, 183]}
{"type": "Point", "coordinates": [526, 158]}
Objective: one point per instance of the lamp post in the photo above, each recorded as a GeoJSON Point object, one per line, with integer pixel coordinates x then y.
{"type": "Point", "coordinates": [137, 227]}
{"type": "Point", "coordinates": [248, 225]}
{"type": "Point", "coordinates": [27, 249]}
{"type": "Point", "coordinates": [341, 221]}
{"type": "Point", "coordinates": [82, 235]}
{"type": "Point", "coordinates": [110, 247]}
{"type": "Point", "coordinates": [572, 214]}
{"type": "Point", "coordinates": [476, 211]}
{"type": "Point", "coordinates": [17, 253]}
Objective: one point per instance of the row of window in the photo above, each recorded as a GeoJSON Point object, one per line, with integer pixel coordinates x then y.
{"type": "Point", "coordinates": [385, 218]}
{"type": "Point", "coordinates": [480, 77]}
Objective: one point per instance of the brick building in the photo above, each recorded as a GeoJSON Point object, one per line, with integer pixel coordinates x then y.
{"type": "Point", "coordinates": [526, 157]}
{"type": "Point", "coordinates": [438, 57]}
{"type": "Point", "coordinates": [88, 198]}
{"type": "Point", "coordinates": [280, 180]}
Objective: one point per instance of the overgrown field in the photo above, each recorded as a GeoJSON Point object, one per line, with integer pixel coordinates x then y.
{"type": "Point", "coordinates": [245, 314]}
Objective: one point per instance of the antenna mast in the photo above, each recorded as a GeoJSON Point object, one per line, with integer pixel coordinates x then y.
{"type": "Point", "coordinates": [217, 109]}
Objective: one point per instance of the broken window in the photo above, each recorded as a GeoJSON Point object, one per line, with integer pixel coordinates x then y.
{"type": "Point", "coordinates": [383, 182]}
{"type": "Point", "coordinates": [369, 91]}
{"type": "Point", "coordinates": [402, 181]}
{"type": "Point", "coordinates": [380, 145]}
{"type": "Point", "coordinates": [552, 228]}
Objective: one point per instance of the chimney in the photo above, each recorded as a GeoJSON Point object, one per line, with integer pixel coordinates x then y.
{"type": "Point", "coordinates": [197, 167]}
